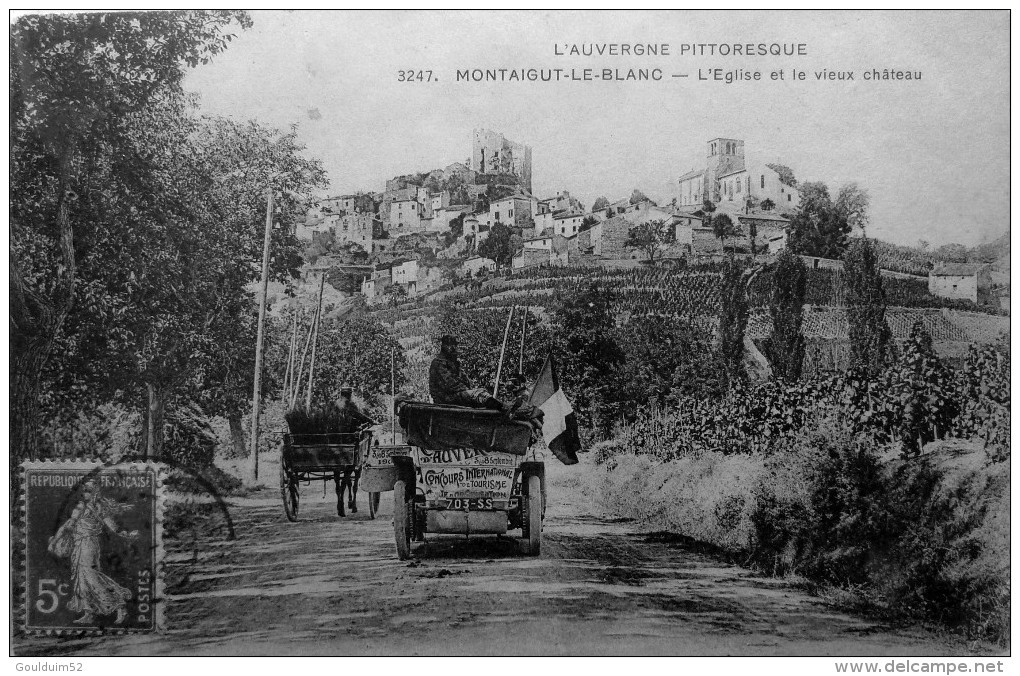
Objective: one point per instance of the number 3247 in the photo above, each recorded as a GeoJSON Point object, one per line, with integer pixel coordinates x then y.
{"type": "Point", "coordinates": [415, 76]}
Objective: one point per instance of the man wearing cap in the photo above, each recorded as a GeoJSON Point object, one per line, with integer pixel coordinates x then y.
{"type": "Point", "coordinates": [352, 419]}
{"type": "Point", "coordinates": [447, 383]}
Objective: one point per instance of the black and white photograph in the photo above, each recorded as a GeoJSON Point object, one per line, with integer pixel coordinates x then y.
{"type": "Point", "coordinates": [530, 333]}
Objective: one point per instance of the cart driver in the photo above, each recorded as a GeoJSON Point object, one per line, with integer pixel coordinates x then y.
{"type": "Point", "coordinates": [352, 420]}
{"type": "Point", "coordinates": [447, 383]}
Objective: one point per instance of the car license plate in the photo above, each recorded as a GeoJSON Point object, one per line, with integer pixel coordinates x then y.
{"type": "Point", "coordinates": [471, 504]}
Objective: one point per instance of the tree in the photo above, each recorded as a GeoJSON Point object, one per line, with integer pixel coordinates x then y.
{"type": "Point", "coordinates": [767, 204]}
{"type": "Point", "coordinates": [668, 358]}
{"type": "Point", "coordinates": [356, 350]}
{"type": "Point", "coordinates": [649, 236]}
{"type": "Point", "coordinates": [589, 354]}
{"type": "Point", "coordinates": [819, 227]}
{"type": "Point", "coordinates": [786, 176]}
{"type": "Point", "coordinates": [870, 335]}
{"type": "Point", "coordinates": [723, 227]}
{"type": "Point", "coordinates": [707, 209]}
{"type": "Point", "coordinates": [733, 318]}
{"type": "Point", "coordinates": [498, 246]}
{"type": "Point", "coordinates": [588, 222]}
{"type": "Point", "coordinates": [75, 81]}
{"type": "Point", "coordinates": [637, 197]}
{"type": "Point", "coordinates": [784, 347]}
{"type": "Point", "coordinates": [211, 241]}
{"type": "Point", "coordinates": [600, 204]}
{"type": "Point", "coordinates": [927, 391]}
{"type": "Point", "coordinates": [852, 205]}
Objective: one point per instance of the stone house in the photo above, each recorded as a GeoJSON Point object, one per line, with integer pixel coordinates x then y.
{"type": "Point", "coordinates": [963, 281]}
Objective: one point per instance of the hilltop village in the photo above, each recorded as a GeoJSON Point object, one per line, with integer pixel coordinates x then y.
{"type": "Point", "coordinates": [428, 229]}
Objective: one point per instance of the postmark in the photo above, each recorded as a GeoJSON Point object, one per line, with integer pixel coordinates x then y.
{"type": "Point", "coordinates": [93, 546]}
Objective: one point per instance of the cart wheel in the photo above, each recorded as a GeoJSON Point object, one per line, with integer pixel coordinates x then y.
{"type": "Point", "coordinates": [373, 504]}
{"type": "Point", "coordinates": [531, 517]}
{"type": "Point", "coordinates": [289, 493]}
{"type": "Point", "coordinates": [402, 514]}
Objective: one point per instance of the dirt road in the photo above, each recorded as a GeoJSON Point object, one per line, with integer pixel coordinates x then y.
{"type": "Point", "coordinates": [601, 586]}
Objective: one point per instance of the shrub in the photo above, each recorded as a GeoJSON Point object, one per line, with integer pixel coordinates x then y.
{"type": "Point", "coordinates": [923, 539]}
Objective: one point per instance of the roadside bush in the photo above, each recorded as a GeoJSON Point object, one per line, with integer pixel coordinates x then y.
{"type": "Point", "coordinates": [190, 440]}
{"type": "Point", "coordinates": [925, 539]}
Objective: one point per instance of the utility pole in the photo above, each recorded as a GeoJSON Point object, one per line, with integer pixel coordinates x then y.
{"type": "Point", "coordinates": [256, 397]}
{"type": "Point", "coordinates": [502, 351]}
{"type": "Point", "coordinates": [315, 341]}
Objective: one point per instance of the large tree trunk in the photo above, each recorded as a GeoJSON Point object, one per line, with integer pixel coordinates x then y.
{"type": "Point", "coordinates": [25, 425]}
{"type": "Point", "coordinates": [237, 434]}
{"type": "Point", "coordinates": [154, 429]}
{"type": "Point", "coordinates": [35, 321]}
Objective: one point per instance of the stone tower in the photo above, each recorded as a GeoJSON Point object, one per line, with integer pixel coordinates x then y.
{"type": "Point", "coordinates": [724, 156]}
{"type": "Point", "coordinates": [493, 153]}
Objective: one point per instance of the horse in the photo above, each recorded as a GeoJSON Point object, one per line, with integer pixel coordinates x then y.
{"type": "Point", "coordinates": [348, 483]}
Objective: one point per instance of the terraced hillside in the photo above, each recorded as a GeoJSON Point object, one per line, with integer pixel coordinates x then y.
{"type": "Point", "coordinates": [693, 293]}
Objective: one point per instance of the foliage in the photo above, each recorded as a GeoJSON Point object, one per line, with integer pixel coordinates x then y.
{"type": "Point", "coordinates": [912, 540]}
{"type": "Point", "coordinates": [357, 351]}
{"type": "Point", "coordinates": [600, 204]}
{"type": "Point", "coordinates": [637, 197]}
{"type": "Point", "coordinates": [733, 315]}
{"type": "Point", "coordinates": [190, 441]}
{"type": "Point", "coordinates": [926, 389]}
{"type": "Point", "coordinates": [865, 299]}
{"type": "Point", "coordinates": [498, 245]}
{"type": "Point", "coordinates": [723, 227]}
{"type": "Point", "coordinates": [650, 237]}
{"type": "Point", "coordinates": [784, 348]}
{"type": "Point", "coordinates": [589, 354]}
{"type": "Point", "coordinates": [767, 204]}
{"type": "Point", "coordinates": [667, 358]}
{"type": "Point", "coordinates": [707, 209]}
{"type": "Point", "coordinates": [79, 177]}
{"type": "Point", "coordinates": [852, 204]}
{"type": "Point", "coordinates": [786, 176]}
{"type": "Point", "coordinates": [588, 222]}
{"type": "Point", "coordinates": [985, 395]}
{"type": "Point", "coordinates": [818, 228]}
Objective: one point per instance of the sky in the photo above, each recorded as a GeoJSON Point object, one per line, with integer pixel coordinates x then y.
{"type": "Point", "coordinates": [932, 153]}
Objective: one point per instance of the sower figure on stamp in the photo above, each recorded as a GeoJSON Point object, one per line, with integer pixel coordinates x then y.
{"type": "Point", "coordinates": [95, 593]}
{"type": "Point", "coordinates": [447, 383]}
{"type": "Point", "coordinates": [352, 421]}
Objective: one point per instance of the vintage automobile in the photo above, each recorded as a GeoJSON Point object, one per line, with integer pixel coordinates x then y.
{"type": "Point", "coordinates": [465, 473]}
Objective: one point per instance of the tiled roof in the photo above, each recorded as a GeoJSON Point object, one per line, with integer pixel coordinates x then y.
{"type": "Point", "coordinates": [957, 269]}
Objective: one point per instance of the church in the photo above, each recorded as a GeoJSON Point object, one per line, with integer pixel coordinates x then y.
{"type": "Point", "coordinates": [729, 180]}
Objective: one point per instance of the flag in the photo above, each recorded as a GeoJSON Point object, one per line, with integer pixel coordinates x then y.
{"type": "Point", "coordinates": [559, 426]}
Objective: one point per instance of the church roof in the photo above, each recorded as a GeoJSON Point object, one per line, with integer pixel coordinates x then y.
{"type": "Point", "coordinates": [692, 174]}
{"type": "Point", "coordinates": [730, 173]}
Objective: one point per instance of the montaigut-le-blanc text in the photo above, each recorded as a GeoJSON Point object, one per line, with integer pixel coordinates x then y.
{"type": "Point", "coordinates": [682, 49]}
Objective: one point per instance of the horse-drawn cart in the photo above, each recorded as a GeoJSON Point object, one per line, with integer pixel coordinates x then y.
{"type": "Point", "coordinates": [322, 457]}
{"type": "Point", "coordinates": [465, 474]}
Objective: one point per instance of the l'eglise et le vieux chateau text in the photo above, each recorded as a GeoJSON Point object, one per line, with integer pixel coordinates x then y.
{"type": "Point", "coordinates": [681, 49]}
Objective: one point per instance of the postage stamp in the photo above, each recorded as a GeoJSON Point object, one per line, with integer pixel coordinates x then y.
{"type": "Point", "coordinates": [93, 544]}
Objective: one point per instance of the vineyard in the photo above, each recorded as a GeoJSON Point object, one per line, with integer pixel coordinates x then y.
{"type": "Point", "coordinates": [693, 293]}
{"type": "Point", "coordinates": [971, 401]}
